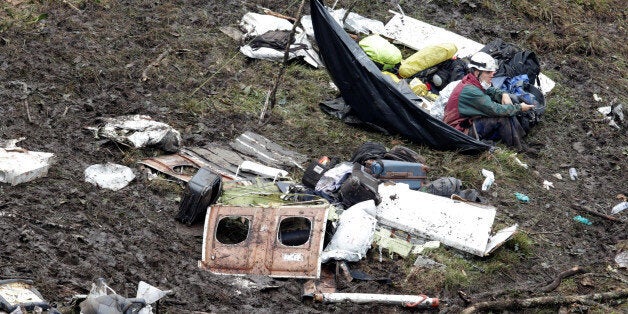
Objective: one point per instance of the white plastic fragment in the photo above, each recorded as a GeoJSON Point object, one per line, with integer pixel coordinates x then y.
{"type": "Point", "coordinates": [356, 229]}
{"type": "Point", "coordinates": [558, 176]}
{"type": "Point", "coordinates": [150, 294]}
{"type": "Point", "coordinates": [547, 184]}
{"type": "Point", "coordinates": [260, 169]}
{"type": "Point", "coordinates": [606, 110]}
{"type": "Point", "coordinates": [419, 248]}
{"type": "Point", "coordinates": [109, 176]}
{"type": "Point", "coordinates": [619, 208]}
{"type": "Point", "coordinates": [622, 259]}
{"type": "Point", "coordinates": [596, 97]}
{"type": "Point", "coordinates": [525, 166]}
{"type": "Point", "coordinates": [573, 174]}
{"type": "Point", "coordinates": [18, 165]}
{"type": "Point", "coordinates": [490, 178]}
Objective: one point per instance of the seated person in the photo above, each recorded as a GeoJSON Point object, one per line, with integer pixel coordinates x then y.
{"type": "Point", "coordinates": [478, 109]}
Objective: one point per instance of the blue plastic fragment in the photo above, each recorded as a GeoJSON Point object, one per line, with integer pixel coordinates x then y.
{"type": "Point", "coordinates": [582, 220]}
{"type": "Point", "coordinates": [522, 197]}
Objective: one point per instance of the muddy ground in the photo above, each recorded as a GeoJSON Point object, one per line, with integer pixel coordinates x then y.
{"type": "Point", "coordinates": [66, 64]}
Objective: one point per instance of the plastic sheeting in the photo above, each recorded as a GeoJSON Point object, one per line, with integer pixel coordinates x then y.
{"type": "Point", "coordinates": [373, 98]}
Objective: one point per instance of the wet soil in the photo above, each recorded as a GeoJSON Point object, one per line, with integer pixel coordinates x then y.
{"type": "Point", "coordinates": [82, 61]}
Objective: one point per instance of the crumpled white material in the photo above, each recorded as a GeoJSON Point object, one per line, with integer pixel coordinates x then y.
{"type": "Point", "coordinates": [109, 176]}
{"type": "Point", "coordinates": [141, 131]}
{"type": "Point", "coordinates": [332, 179]}
{"type": "Point", "coordinates": [255, 24]}
{"type": "Point", "coordinates": [490, 178]}
{"type": "Point", "coordinates": [356, 229]}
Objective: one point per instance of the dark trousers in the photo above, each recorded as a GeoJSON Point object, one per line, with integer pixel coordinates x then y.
{"type": "Point", "coordinates": [505, 129]}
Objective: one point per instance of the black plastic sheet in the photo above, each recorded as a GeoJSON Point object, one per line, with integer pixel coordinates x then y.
{"type": "Point", "coordinates": [374, 98]}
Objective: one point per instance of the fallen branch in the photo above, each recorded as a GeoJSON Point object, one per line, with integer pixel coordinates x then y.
{"type": "Point", "coordinates": [36, 221]}
{"type": "Point", "coordinates": [269, 102]}
{"type": "Point", "coordinates": [28, 112]}
{"type": "Point", "coordinates": [545, 301]}
{"type": "Point", "coordinates": [72, 6]}
{"type": "Point", "coordinates": [556, 282]}
{"type": "Point", "coordinates": [593, 212]}
{"type": "Point", "coordinates": [155, 63]}
{"type": "Point", "coordinates": [273, 13]}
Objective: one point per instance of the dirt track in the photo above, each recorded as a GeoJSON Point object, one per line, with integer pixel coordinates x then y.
{"type": "Point", "coordinates": [85, 61]}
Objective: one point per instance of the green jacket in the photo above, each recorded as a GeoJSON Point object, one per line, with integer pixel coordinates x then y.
{"type": "Point", "coordinates": [469, 99]}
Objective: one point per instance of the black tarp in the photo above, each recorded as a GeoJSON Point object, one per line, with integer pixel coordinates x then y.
{"type": "Point", "coordinates": [373, 98]}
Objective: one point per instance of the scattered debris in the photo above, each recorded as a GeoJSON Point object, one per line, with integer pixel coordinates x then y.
{"type": "Point", "coordinates": [383, 238]}
{"type": "Point", "coordinates": [260, 169]}
{"type": "Point", "coordinates": [100, 300]}
{"type": "Point", "coordinates": [18, 165]}
{"type": "Point", "coordinates": [415, 301]}
{"type": "Point", "coordinates": [489, 179]}
{"type": "Point", "coordinates": [326, 284]}
{"type": "Point", "coordinates": [522, 197]}
{"type": "Point", "coordinates": [256, 282]}
{"type": "Point", "coordinates": [622, 259]}
{"type": "Point", "coordinates": [139, 131]}
{"type": "Point", "coordinates": [547, 184]}
{"type": "Point", "coordinates": [280, 241]}
{"type": "Point", "coordinates": [573, 174]}
{"type": "Point", "coordinates": [249, 151]}
{"type": "Point", "coordinates": [17, 294]}
{"type": "Point", "coordinates": [619, 208]}
{"type": "Point", "coordinates": [558, 176]}
{"type": "Point", "coordinates": [109, 176]}
{"type": "Point", "coordinates": [268, 35]}
{"type": "Point", "coordinates": [422, 261]}
{"type": "Point", "coordinates": [596, 213]}
{"type": "Point", "coordinates": [519, 162]}
{"type": "Point", "coordinates": [462, 225]}
{"type": "Point", "coordinates": [613, 114]}
{"type": "Point", "coordinates": [419, 248]}
{"type": "Point", "coordinates": [582, 220]}
{"type": "Point", "coordinates": [579, 147]}
{"type": "Point", "coordinates": [597, 98]}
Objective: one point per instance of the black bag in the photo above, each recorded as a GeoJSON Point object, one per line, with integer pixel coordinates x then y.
{"type": "Point", "coordinates": [276, 40]}
{"type": "Point", "coordinates": [359, 187]}
{"type": "Point", "coordinates": [513, 60]}
{"type": "Point", "coordinates": [530, 118]}
{"type": "Point", "coordinates": [202, 190]}
{"type": "Point", "coordinates": [403, 153]}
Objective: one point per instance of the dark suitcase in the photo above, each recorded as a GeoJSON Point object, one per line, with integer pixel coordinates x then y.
{"type": "Point", "coordinates": [202, 190]}
{"type": "Point", "coordinates": [412, 173]}
{"type": "Point", "coordinates": [316, 169]}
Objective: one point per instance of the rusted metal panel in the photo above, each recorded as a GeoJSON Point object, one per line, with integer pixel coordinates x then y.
{"type": "Point", "coordinates": [167, 164]}
{"type": "Point", "coordinates": [262, 252]}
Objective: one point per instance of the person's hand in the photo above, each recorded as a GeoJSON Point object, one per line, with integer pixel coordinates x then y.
{"type": "Point", "coordinates": [526, 107]}
{"type": "Point", "coordinates": [506, 99]}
